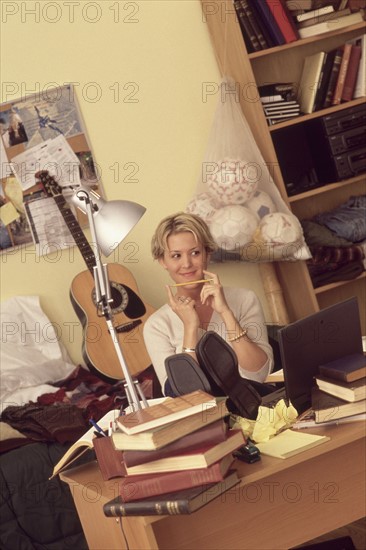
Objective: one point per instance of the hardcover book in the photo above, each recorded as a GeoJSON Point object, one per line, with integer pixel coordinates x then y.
{"type": "Point", "coordinates": [355, 5]}
{"type": "Point", "coordinates": [307, 420]}
{"type": "Point", "coordinates": [325, 17]}
{"type": "Point", "coordinates": [351, 75]}
{"type": "Point", "coordinates": [309, 81]}
{"type": "Point", "coordinates": [267, 20]}
{"type": "Point", "coordinates": [253, 4]}
{"type": "Point", "coordinates": [83, 444]}
{"type": "Point", "coordinates": [159, 437]}
{"type": "Point", "coordinates": [337, 96]}
{"type": "Point", "coordinates": [325, 78]}
{"type": "Point", "coordinates": [255, 25]}
{"type": "Point", "coordinates": [360, 88]}
{"type": "Point", "coordinates": [199, 458]}
{"type": "Point", "coordinates": [283, 19]}
{"type": "Point", "coordinates": [250, 38]}
{"type": "Point", "coordinates": [349, 391]}
{"type": "Point", "coordinates": [137, 487]}
{"type": "Point", "coordinates": [180, 502]}
{"type": "Point", "coordinates": [348, 368]}
{"type": "Point", "coordinates": [215, 432]}
{"type": "Point", "coordinates": [315, 14]}
{"type": "Point", "coordinates": [169, 410]}
{"type": "Point", "coordinates": [328, 408]}
{"type": "Point", "coordinates": [333, 77]}
{"type": "Point", "coordinates": [331, 25]}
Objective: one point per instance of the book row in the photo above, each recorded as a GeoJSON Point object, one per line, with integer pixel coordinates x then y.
{"type": "Point", "coordinates": [328, 78]}
{"type": "Point", "coordinates": [268, 23]}
{"type": "Point", "coordinates": [333, 77]}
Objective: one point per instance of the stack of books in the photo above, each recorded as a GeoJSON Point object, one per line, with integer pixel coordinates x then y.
{"type": "Point", "coordinates": [279, 102]}
{"type": "Point", "coordinates": [314, 17]}
{"type": "Point", "coordinates": [333, 77]}
{"type": "Point", "coordinates": [340, 390]}
{"type": "Point", "coordinates": [177, 456]}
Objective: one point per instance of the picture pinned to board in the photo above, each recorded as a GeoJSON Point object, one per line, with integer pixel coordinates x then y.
{"type": "Point", "coordinates": [42, 132]}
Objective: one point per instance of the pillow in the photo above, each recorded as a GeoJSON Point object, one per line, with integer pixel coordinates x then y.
{"type": "Point", "coordinates": [31, 353]}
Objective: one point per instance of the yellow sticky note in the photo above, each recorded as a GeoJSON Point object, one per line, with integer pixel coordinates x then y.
{"type": "Point", "coordinates": [8, 213]}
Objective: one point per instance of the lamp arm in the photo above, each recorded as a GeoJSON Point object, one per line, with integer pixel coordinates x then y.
{"type": "Point", "coordinates": [103, 298]}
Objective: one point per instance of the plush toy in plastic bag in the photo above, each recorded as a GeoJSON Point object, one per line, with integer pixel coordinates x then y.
{"type": "Point", "coordinates": [236, 194]}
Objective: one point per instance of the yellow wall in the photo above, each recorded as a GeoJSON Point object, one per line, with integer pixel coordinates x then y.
{"type": "Point", "coordinates": [160, 48]}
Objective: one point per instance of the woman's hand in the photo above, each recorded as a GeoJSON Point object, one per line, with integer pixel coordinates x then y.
{"type": "Point", "coordinates": [212, 294]}
{"type": "Point", "coordinates": [184, 307]}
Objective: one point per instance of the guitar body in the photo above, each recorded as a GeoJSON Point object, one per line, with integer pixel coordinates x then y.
{"type": "Point", "coordinates": [128, 312]}
{"type": "Point", "coordinates": [129, 316]}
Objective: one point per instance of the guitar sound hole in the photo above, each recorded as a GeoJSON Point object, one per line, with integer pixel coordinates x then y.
{"type": "Point", "coordinates": [125, 300]}
{"type": "Point", "coordinates": [119, 298]}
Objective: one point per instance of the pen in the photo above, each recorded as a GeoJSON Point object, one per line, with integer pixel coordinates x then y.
{"type": "Point", "coordinates": [98, 428]}
{"type": "Point", "coordinates": [193, 282]}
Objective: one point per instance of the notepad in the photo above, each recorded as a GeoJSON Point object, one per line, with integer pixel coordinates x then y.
{"type": "Point", "coordinates": [290, 443]}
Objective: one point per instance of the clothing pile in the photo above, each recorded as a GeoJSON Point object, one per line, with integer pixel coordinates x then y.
{"type": "Point", "coordinates": [337, 241]}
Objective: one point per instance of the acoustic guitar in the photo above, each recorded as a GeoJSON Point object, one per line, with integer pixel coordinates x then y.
{"type": "Point", "coordinates": [128, 310]}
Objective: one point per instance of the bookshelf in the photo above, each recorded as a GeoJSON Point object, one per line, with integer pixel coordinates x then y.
{"type": "Point", "coordinates": [284, 64]}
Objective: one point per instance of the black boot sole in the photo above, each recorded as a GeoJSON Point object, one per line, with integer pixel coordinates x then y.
{"type": "Point", "coordinates": [218, 360]}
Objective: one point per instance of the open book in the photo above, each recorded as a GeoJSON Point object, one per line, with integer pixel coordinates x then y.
{"type": "Point", "coordinates": [84, 443]}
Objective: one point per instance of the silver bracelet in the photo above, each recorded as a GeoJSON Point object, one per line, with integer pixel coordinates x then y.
{"type": "Point", "coordinates": [188, 350]}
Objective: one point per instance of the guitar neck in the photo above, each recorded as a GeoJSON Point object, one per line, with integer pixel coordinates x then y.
{"type": "Point", "coordinates": [76, 232]}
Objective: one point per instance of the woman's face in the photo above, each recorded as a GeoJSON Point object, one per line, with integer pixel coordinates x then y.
{"type": "Point", "coordinates": [185, 258]}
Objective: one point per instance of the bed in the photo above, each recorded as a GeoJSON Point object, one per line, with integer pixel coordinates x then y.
{"type": "Point", "coordinates": [46, 402]}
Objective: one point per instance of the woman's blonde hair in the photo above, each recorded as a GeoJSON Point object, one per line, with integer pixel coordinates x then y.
{"type": "Point", "coordinates": [179, 223]}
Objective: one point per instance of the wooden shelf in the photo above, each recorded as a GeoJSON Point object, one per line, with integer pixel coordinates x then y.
{"type": "Point", "coordinates": [284, 64]}
{"type": "Point", "coordinates": [327, 188]}
{"type": "Point", "coordinates": [323, 112]}
{"type": "Point", "coordinates": [304, 41]}
{"type": "Point", "coordinates": [331, 286]}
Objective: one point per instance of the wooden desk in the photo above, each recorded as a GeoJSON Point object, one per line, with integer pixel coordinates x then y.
{"type": "Point", "coordinates": [278, 504]}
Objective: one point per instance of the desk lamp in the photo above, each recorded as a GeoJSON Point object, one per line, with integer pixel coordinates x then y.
{"type": "Point", "coordinates": [110, 222]}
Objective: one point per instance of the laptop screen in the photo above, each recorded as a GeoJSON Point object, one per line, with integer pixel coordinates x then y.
{"type": "Point", "coordinates": [307, 343]}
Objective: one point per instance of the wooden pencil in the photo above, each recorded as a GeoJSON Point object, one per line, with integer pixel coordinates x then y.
{"type": "Point", "coordinates": [192, 282]}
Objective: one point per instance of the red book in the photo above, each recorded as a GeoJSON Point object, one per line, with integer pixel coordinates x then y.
{"type": "Point", "coordinates": [352, 71]}
{"type": "Point", "coordinates": [337, 97]}
{"type": "Point", "coordinates": [333, 78]}
{"type": "Point", "coordinates": [137, 487]}
{"type": "Point", "coordinates": [202, 457]}
{"type": "Point", "coordinates": [356, 5]}
{"type": "Point", "coordinates": [283, 19]}
{"type": "Point", "coordinates": [211, 434]}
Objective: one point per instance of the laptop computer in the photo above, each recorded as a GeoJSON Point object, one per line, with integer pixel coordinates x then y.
{"type": "Point", "coordinates": [307, 343]}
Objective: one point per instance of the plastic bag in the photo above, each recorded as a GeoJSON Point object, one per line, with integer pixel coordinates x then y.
{"type": "Point", "coordinates": [236, 194]}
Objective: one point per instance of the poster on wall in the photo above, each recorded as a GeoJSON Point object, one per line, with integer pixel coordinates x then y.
{"type": "Point", "coordinates": [42, 133]}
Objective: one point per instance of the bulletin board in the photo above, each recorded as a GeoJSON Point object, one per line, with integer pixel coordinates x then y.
{"type": "Point", "coordinates": [42, 131]}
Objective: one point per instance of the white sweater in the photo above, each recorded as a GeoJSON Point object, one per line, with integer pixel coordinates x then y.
{"type": "Point", "coordinates": [163, 332]}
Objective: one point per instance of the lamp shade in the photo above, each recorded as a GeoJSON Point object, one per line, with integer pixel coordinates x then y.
{"type": "Point", "coordinates": [113, 220]}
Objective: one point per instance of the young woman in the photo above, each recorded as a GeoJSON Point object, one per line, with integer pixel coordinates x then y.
{"type": "Point", "coordinates": [197, 302]}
